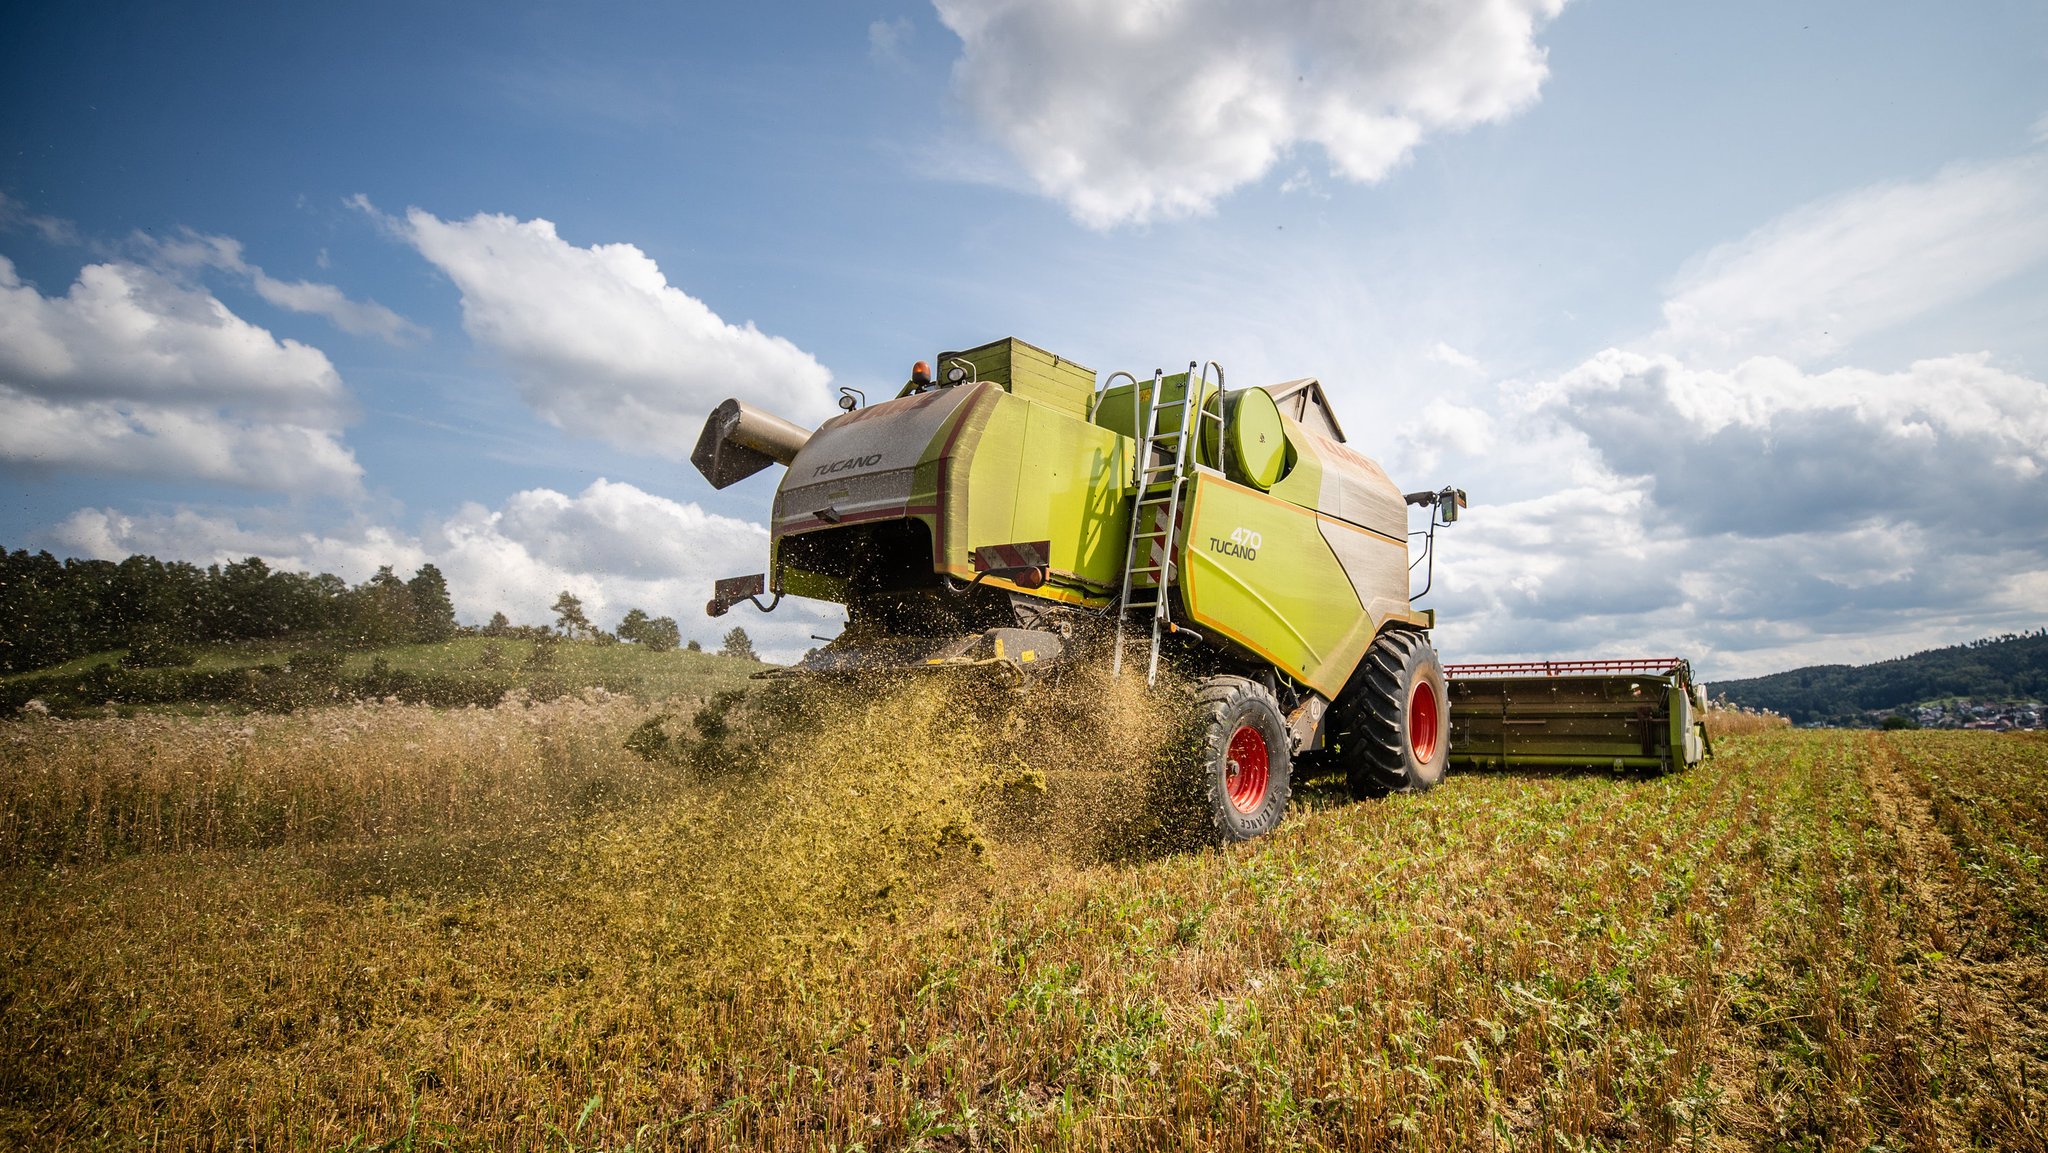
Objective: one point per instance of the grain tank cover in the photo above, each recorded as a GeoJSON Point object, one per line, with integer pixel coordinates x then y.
{"type": "Point", "coordinates": [1257, 442]}
{"type": "Point", "coordinates": [1024, 370]}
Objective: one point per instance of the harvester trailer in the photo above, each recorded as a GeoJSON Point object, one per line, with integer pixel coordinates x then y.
{"type": "Point", "coordinates": [1008, 511]}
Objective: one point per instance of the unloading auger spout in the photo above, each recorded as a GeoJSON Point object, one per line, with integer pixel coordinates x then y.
{"type": "Point", "coordinates": [740, 440]}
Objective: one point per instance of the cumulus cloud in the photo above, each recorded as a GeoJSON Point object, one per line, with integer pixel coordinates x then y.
{"type": "Point", "coordinates": [1595, 571]}
{"type": "Point", "coordinates": [1442, 427]}
{"type": "Point", "coordinates": [1128, 112]}
{"type": "Point", "coordinates": [1766, 449]}
{"type": "Point", "coordinates": [132, 372]}
{"type": "Point", "coordinates": [601, 344]}
{"type": "Point", "coordinates": [613, 545]}
{"type": "Point", "coordinates": [618, 545]}
{"type": "Point", "coordinates": [1719, 497]}
{"type": "Point", "coordinates": [1814, 280]}
{"type": "Point", "coordinates": [211, 538]}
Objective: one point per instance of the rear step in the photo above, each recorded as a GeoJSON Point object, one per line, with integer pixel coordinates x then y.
{"type": "Point", "coordinates": [1643, 715]}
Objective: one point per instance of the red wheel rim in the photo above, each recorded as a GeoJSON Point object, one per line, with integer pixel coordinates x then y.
{"type": "Point", "coordinates": [1246, 769]}
{"type": "Point", "coordinates": [1422, 721]}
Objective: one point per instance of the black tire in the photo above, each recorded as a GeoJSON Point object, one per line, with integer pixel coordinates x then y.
{"type": "Point", "coordinates": [1229, 795]}
{"type": "Point", "coordinates": [1393, 723]}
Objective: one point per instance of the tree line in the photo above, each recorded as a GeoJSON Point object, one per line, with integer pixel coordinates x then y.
{"type": "Point", "coordinates": [2012, 666]}
{"type": "Point", "coordinates": [659, 634]}
{"type": "Point", "coordinates": [52, 610]}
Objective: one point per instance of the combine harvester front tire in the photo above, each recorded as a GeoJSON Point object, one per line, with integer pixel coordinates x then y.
{"type": "Point", "coordinates": [1394, 725]}
{"type": "Point", "coordinates": [1244, 766]}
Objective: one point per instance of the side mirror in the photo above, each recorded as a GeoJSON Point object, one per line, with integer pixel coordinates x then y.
{"type": "Point", "coordinates": [1448, 502]}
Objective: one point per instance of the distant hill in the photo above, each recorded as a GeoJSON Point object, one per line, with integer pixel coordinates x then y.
{"type": "Point", "coordinates": [2005, 668]}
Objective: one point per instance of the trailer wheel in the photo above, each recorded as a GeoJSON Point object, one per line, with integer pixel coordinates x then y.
{"type": "Point", "coordinates": [1394, 722]}
{"type": "Point", "coordinates": [1240, 744]}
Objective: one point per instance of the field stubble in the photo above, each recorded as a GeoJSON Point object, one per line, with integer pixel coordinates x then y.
{"type": "Point", "coordinates": [920, 920]}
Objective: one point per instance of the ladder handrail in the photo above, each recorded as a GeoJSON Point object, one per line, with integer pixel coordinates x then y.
{"type": "Point", "coordinates": [1182, 448]}
{"type": "Point", "coordinates": [1222, 425]}
{"type": "Point", "coordinates": [1095, 402]}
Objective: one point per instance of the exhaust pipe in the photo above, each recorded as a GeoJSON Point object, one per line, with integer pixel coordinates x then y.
{"type": "Point", "coordinates": [740, 440]}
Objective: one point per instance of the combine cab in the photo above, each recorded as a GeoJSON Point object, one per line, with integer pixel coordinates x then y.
{"type": "Point", "coordinates": [1627, 715]}
{"type": "Point", "coordinates": [1011, 511]}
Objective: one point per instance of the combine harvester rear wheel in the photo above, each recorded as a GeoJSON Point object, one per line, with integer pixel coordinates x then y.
{"type": "Point", "coordinates": [1392, 728]}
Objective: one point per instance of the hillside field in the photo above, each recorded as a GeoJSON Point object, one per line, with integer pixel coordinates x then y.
{"type": "Point", "coordinates": [912, 922]}
{"type": "Point", "coordinates": [278, 675]}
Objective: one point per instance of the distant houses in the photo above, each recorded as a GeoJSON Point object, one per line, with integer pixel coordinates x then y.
{"type": "Point", "coordinates": [1966, 715]}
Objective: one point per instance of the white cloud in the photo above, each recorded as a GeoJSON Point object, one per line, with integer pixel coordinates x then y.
{"type": "Point", "coordinates": [203, 538]}
{"type": "Point", "coordinates": [191, 250]}
{"type": "Point", "coordinates": [613, 545]}
{"type": "Point", "coordinates": [1706, 492]}
{"type": "Point", "coordinates": [125, 332]}
{"type": "Point", "coordinates": [1952, 443]}
{"type": "Point", "coordinates": [600, 343]}
{"type": "Point", "coordinates": [355, 317]}
{"type": "Point", "coordinates": [126, 439]}
{"type": "Point", "coordinates": [1756, 518]}
{"type": "Point", "coordinates": [133, 373]}
{"type": "Point", "coordinates": [1445, 354]}
{"type": "Point", "coordinates": [1128, 112]}
{"type": "Point", "coordinates": [1814, 280]}
{"type": "Point", "coordinates": [1595, 571]}
{"type": "Point", "coordinates": [621, 545]}
{"type": "Point", "coordinates": [52, 229]}
{"type": "Point", "coordinates": [1443, 427]}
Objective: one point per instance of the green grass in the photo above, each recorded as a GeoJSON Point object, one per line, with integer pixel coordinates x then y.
{"type": "Point", "coordinates": [70, 668]}
{"type": "Point", "coordinates": [655, 676]}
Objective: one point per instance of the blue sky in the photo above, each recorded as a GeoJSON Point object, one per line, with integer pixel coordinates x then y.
{"type": "Point", "coordinates": [1730, 317]}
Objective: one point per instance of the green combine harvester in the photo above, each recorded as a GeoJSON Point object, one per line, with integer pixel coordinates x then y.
{"type": "Point", "coordinates": [1006, 511]}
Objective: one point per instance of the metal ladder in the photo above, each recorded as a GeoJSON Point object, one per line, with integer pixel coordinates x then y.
{"type": "Point", "coordinates": [1161, 468]}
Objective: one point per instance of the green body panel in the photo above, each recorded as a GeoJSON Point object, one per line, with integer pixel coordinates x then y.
{"type": "Point", "coordinates": [1000, 469]}
{"type": "Point", "coordinates": [1301, 482]}
{"type": "Point", "coordinates": [1261, 572]}
{"type": "Point", "coordinates": [1026, 471]}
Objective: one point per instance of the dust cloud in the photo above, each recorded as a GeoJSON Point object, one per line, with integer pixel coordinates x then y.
{"type": "Point", "coordinates": [823, 810]}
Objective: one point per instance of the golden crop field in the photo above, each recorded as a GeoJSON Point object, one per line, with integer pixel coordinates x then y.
{"type": "Point", "coordinates": [910, 921]}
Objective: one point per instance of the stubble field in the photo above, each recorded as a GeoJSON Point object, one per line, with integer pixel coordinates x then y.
{"type": "Point", "coordinates": [907, 922]}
